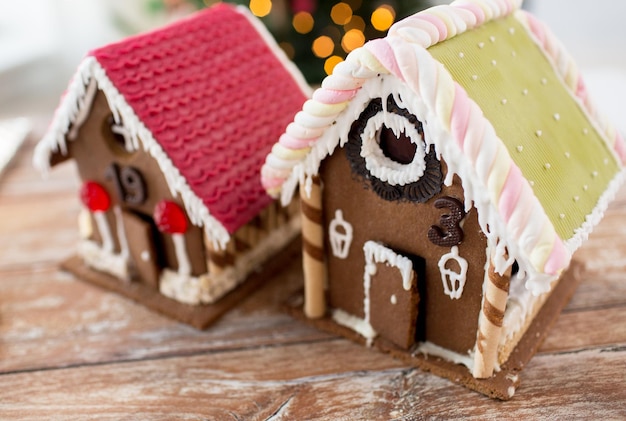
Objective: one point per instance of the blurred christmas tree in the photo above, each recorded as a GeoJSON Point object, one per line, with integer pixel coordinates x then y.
{"type": "Point", "coordinates": [315, 34]}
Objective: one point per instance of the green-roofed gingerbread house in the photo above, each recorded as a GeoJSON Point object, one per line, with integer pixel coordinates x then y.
{"type": "Point", "coordinates": [447, 173]}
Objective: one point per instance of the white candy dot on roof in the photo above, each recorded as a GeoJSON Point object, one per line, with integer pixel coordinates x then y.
{"type": "Point", "coordinates": [532, 183]}
{"type": "Point", "coordinates": [538, 133]}
{"type": "Point", "coordinates": [557, 116]}
{"type": "Point", "coordinates": [585, 187]}
{"type": "Point", "coordinates": [504, 101]}
{"type": "Point", "coordinates": [461, 55]}
{"type": "Point", "coordinates": [576, 198]}
{"type": "Point", "coordinates": [481, 44]}
{"type": "Point", "coordinates": [606, 161]}
{"type": "Point", "coordinates": [567, 155]}
{"type": "Point", "coordinates": [493, 62]}
{"type": "Point", "coordinates": [474, 77]}
{"type": "Point", "coordinates": [511, 30]}
{"type": "Point", "coordinates": [513, 54]}
{"type": "Point", "coordinates": [547, 166]}
{"type": "Point", "coordinates": [519, 148]}
{"type": "Point", "coordinates": [544, 81]}
{"type": "Point", "coordinates": [594, 174]}
{"type": "Point", "coordinates": [525, 92]}
{"type": "Point", "coordinates": [492, 38]}
{"type": "Point", "coordinates": [562, 215]}
{"type": "Point", "coordinates": [585, 131]}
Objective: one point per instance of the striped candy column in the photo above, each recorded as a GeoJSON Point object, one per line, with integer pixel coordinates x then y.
{"type": "Point", "coordinates": [490, 321]}
{"type": "Point", "coordinates": [313, 249]}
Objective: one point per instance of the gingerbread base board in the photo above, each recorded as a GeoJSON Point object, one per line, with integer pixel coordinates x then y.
{"type": "Point", "coordinates": [501, 385]}
{"type": "Point", "coordinates": [198, 316]}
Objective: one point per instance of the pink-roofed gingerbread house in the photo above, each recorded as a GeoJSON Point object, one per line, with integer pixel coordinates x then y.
{"type": "Point", "coordinates": [169, 130]}
{"type": "Point", "coordinates": [447, 174]}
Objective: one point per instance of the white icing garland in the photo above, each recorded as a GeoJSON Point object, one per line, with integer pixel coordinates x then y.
{"type": "Point", "coordinates": [208, 288]}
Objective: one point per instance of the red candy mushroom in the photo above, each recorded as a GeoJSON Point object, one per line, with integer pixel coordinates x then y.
{"type": "Point", "coordinates": [95, 197]}
{"type": "Point", "coordinates": [171, 219]}
{"type": "Point", "coordinates": [98, 201]}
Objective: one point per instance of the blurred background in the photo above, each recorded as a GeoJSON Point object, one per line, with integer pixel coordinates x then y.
{"type": "Point", "coordinates": [43, 41]}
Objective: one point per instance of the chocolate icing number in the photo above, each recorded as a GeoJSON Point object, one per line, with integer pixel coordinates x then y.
{"type": "Point", "coordinates": [449, 232]}
{"type": "Point", "coordinates": [129, 183]}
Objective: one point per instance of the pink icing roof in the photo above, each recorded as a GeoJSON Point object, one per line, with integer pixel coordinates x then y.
{"type": "Point", "coordinates": [215, 97]}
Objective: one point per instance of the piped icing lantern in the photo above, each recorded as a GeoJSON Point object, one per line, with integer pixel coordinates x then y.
{"type": "Point", "coordinates": [464, 145]}
{"type": "Point", "coordinates": [169, 130]}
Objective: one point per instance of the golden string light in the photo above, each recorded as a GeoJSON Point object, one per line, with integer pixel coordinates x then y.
{"type": "Point", "coordinates": [323, 46]}
{"type": "Point", "coordinates": [383, 17]}
{"type": "Point", "coordinates": [260, 8]}
{"type": "Point", "coordinates": [330, 63]}
{"type": "Point", "coordinates": [352, 39]}
{"type": "Point", "coordinates": [341, 13]}
{"type": "Point", "coordinates": [303, 22]}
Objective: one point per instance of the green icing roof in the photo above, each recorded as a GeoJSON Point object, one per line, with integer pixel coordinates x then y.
{"type": "Point", "coordinates": [544, 129]}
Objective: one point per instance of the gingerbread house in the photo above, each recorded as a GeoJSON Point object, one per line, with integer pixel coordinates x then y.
{"type": "Point", "coordinates": [169, 130]}
{"type": "Point", "coordinates": [447, 173]}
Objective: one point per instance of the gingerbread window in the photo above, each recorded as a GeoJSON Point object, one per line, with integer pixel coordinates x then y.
{"type": "Point", "coordinates": [117, 136]}
{"type": "Point", "coordinates": [386, 147]}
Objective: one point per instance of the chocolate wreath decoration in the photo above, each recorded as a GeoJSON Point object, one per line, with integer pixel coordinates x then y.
{"type": "Point", "coordinates": [428, 185]}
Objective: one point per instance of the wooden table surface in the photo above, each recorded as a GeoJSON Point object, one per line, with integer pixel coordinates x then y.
{"type": "Point", "coordinates": [69, 350]}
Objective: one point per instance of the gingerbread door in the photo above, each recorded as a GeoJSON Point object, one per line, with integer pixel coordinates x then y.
{"type": "Point", "coordinates": [391, 294]}
{"type": "Point", "coordinates": [143, 253]}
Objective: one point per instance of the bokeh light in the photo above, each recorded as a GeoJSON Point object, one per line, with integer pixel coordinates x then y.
{"type": "Point", "coordinates": [330, 63]}
{"type": "Point", "coordinates": [383, 17]}
{"type": "Point", "coordinates": [323, 46]}
{"type": "Point", "coordinates": [341, 13]}
{"type": "Point", "coordinates": [260, 8]}
{"type": "Point", "coordinates": [303, 22]}
{"type": "Point", "coordinates": [356, 22]}
{"type": "Point", "coordinates": [352, 39]}
{"type": "Point", "coordinates": [288, 48]}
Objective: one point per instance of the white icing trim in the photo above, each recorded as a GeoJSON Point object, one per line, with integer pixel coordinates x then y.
{"type": "Point", "coordinates": [378, 253]}
{"type": "Point", "coordinates": [449, 278]}
{"type": "Point", "coordinates": [429, 348]}
{"type": "Point", "coordinates": [124, 132]}
{"type": "Point", "coordinates": [55, 142]}
{"type": "Point", "coordinates": [377, 163]}
{"type": "Point", "coordinates": [208, 288]}
{"type": "Point", "coordinates": [103, 260]}
{"type": "Point", "coordinates": [121, 232]}
{"type": "Point", "coordinates": [357, 324]}
{"type": "Point", "coordinates": [104, 229]}
{"type": "Point", "coordinates": [84, 108]}
{"type": "Point", "coordinates": [180, 247]}
{"type": "Point", "coordinates": [340, 241]}
{"type": "Point", "coordinates": [85, 227]}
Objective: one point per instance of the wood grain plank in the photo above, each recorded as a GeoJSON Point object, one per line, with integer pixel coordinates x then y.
{"type": "Point", "coordinates": [299, 382]}
{"type": "Point", "coordinates": [49, 319]}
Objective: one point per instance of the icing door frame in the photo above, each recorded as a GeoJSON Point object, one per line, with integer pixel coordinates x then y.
{"type": "Point", "coordinates": [391, 294]}
{"type": "Point", "coordinates": [143, 254]}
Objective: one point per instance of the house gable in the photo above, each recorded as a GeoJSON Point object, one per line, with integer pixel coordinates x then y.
{"type": "Point", "coordinates": [206, 97]}
{"type": "Point", "coordinates": [492, 181]}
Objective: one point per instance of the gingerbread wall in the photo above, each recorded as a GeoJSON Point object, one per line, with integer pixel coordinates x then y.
{"type": "Point", "coordinates": [100, 157]}
{"type": "Point", "coordinates": [403, 226]}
